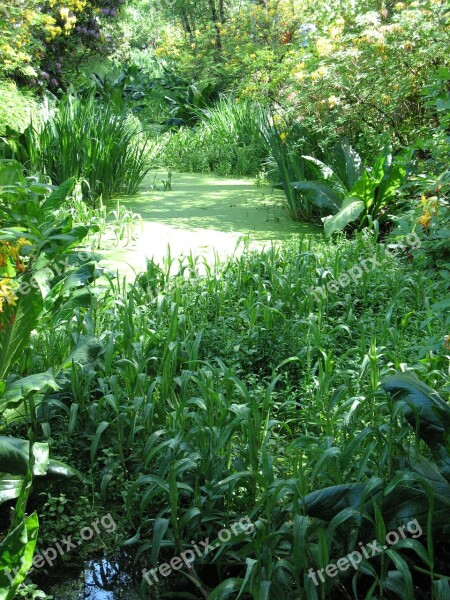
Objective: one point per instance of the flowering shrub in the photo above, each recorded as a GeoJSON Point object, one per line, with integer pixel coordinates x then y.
{"type": "Point", "coordinates": [39, 42]}
{"type": "Point", "coordinates": [345, 69]}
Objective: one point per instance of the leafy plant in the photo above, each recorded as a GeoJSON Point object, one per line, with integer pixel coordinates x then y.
{"type": "Point", "coordinates": [290, 167]}
{"type": "Point", "coordinates": [353, 193]}
{"type": "Point", "coordinates": [89, 141]}
{"type": "Point", "coordinates": [185, 104]}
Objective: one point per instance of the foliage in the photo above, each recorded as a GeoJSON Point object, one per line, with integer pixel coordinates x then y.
{"type": "Point", "coordinates": [89, 141]}
{"type": "Point", "coordinates": [43, 42]}
{"type": "Point", "coordinates": [290, 166]}
{"type": "Point", "coordinates": [321, 63]}
{"type": "Point", "coordinates": [236, 392]}
{"type": "Point", "coordinates": [17, 547]}
{"type": "Point", "coordinates": [352, 192]}
{"type": "Point", "coordinates": [17, 107]}
{"type": "Point", "coordinates": [226, 141]}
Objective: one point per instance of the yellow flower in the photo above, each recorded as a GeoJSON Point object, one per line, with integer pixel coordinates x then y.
{"type": "Point", "coordinates": [6, 293]}
{"type": "Point", "coordinates": [320, 73]}
{"type": "Point", "coordinates": [324, 47]}
{"type": "Point", "coordinates": [332, 101]}
{"type": "Point", "coordinates": [425, 219]}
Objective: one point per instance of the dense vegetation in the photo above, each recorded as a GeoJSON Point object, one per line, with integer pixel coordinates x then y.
{"type": "Point", "coordinates": [302, 389]}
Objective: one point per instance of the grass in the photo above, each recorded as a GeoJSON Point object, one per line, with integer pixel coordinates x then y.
{"type": "Point", "coordinates": [226, 141]}
{"type": "Point", "coordinates": [235, 393]}
{"type": "Point", "coordinates": [87, 140]}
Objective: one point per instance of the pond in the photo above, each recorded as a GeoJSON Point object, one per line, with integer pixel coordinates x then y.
{"type": "Point", "coordinates": [203, 215]}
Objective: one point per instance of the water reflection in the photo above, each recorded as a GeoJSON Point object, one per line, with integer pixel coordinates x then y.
{"type": "Point", "coordinates": [100, 579]}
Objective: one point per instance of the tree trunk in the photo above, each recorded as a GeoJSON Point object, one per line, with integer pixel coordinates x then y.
{"type": "Point", "coordinates": [187, 26]}
{"type": "Point", "coordinates": [215, 19]}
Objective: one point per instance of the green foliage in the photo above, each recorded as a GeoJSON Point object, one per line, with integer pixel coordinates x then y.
{"type": "Point", "coordinates": [89, 141]}
{"type": "Point", "coordinates": [290, 167]}
{"type": "Point", "coordinates": [18, 107]}
{"type": "Point", "coordinates": [235, 392]}
{"type": "Point", "coordinates": [185, 105]}
{"type": "Point", "coordinates": [227, 141]}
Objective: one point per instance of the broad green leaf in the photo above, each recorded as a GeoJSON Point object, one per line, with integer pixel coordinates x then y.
{"type": "Point", "coordinates": [350, 211]}
{"type": "Point", "coordinates": [61, 469]}
{"type": "Point", "coordinates": [364, 189]}
{"type": "Point", "coordinates": [59, 195]}
{"type": "Point", "coordinates": [16, 552]}
{"type": "Point", "coordinates": [11, 173]}
{"type": "Point", "coordinates": [424, 409]}
{"type": "Point", "coordinates": [320, 193]}
{"type": "Point", "coordinates": [226, 589]}
{"type": "Point", "coordinates": [78, 278]}
{"type": "Point", "coordinates": [389, 185]}
{"type": "Point", "coordinates": [347, 164]}
{"type": "Point", "coordinates": [16, 336]}
{"type": "Point", "coordinates": [10, 487]}
{"type": "Point", "coordinates": [14, 454]}
{"type": "Point", "coordinates": [87, 351]}
{"type": "Point", "coordinates": [326, 503]}
{"type": "Point", "coordinates": [21, 388]}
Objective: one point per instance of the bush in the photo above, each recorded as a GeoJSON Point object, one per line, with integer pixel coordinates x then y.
{"type": "Point", "coordinates": [87, 140]}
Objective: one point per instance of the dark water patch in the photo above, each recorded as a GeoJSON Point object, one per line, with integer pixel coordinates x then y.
{"type": "Point", "coordinates": [97, 579]}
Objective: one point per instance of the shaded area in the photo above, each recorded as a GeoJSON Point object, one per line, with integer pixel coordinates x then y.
{"type": "Point", "coordinates": [98, 579]}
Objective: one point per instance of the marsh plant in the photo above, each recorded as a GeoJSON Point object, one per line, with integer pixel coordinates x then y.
{"type": "Point", "coordinates": [234, 392]}
{"type": "Point", "coordinates": [82, 138]}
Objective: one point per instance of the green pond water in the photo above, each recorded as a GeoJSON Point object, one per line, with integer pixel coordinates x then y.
{"type": "Point", "coordinates": [203, 215]}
